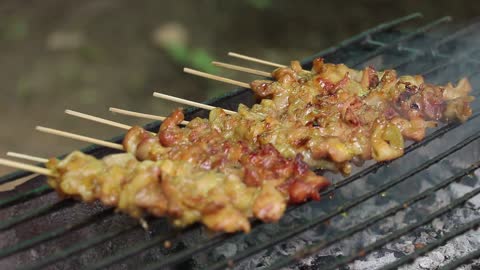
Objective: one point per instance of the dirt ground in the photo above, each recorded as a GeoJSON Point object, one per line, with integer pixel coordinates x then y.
{"type": "Point", "coordinates": [93, 54]}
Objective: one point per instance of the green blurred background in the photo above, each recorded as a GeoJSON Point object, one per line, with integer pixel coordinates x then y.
{"type": "Point", "coordinates": [92, 54]}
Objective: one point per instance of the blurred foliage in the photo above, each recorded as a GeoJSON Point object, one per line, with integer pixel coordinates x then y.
{"type": "Point", "coordinates": [16, 29]}
{"type": "Point", "coordinates": [197, 58]}
{"type": "Point", "coordinates": [260, 4]}
{"type": "Point", "coordinates": [90, 53]}
{"type": "Point", "coordinates": [88, 96]}
{"type": "Point", "coordinates": [23, 90]}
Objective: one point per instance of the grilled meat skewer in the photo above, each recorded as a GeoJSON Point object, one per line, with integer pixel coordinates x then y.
{"type": "Point", "coordinates": [184, 192]}
{"type": "Point", "coordinates": [255, 162]}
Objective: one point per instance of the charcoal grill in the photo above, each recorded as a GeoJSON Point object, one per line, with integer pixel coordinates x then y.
{"type": "Point", "coordinates": [384, 201]}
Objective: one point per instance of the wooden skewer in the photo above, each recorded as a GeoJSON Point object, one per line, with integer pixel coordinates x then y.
{"type": "Point", "coordinates": [256, 60]}
{"type": "Point", "coordinates": [242, 69]}
{"type": "Point", "coordinates": [188, 102]}
{"type": "Point", "coordinates": [26, 167]}
{"type": "Point", "coordinates": [141, 115]}
{"type": "Point", "coordinates": [13, 184]}
{"type": "Point", "coordinates": [27, 157]}
{"type": "Point", "coordinates": [79, 137]}
{"type": "Point", "coordinates": [100, 120]}
{"type": "Point", "coordinates": [215, 77]}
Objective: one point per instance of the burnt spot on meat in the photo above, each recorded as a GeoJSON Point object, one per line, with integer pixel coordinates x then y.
{"type": "Point", "coordinates": [374, 81]}
{"type": "Point", "coordinates": [411, 89]}
{"type": "Point", "coordinates": [302, 80]}
{"type": "Point", "coordinates": [406, 95]}
{"type": "Point", "coordinates": [262, 88]}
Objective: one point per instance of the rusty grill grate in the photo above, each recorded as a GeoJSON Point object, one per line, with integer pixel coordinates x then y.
{"type": "Point", "coordinates": [440, 56]}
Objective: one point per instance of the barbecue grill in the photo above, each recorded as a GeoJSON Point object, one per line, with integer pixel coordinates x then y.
{"type": "Point", "coordinates": [384, 215]}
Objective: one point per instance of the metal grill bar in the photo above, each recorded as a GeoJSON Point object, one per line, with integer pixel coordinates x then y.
{"type": "Point", "coordinates": [398, 233]}
{"type": "Point", "coordinates": [409, 36]}
{"type": "Point", "coordinates": [42, 190]}
{"type": "Point", "coordinates": [190, 252]}
{"type": "Point", "coordinates": [464, 260]}
{"type": "Point", "coordinates": [365, 224]}
{"type": "Point", "coordinates": [80, 247]}
{"type": "Point", "coordinates": [156, 241]}
{"type": "Point", "coordinates": [52, 234]}
{"type": "Point", "coordinates": [314, 222]}
{"type": "Point", "coordinates": [4, 225]}
{"type": "Point", "coordinates": [433, 245]}
{"type": "Point", "coordinates": [134, 250]}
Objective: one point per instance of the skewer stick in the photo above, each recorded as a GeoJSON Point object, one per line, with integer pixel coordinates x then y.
{"type": "Point", "coordinates": [27, 157]}
{"type": "Point", "coordinates": [26, 167]}
{"type": "Point", "coordinates": [253, 59]}
{"type": "Point", "coordinates": [141, 115]}
{"type": "Point", "coordinates": [99, 120]}
{"type": "Point", "coordinates": [242, 69]}
{"type": "Point", "coordinates": [79, 137]}
{"type": "Point", "coordinates": [216, 78]}
{"type": "Point", "coordinates": [188, 102]}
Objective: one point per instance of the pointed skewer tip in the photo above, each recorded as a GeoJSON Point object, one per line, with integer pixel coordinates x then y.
{"type": "Point", "coordinates": [27, 157]}
{"type": "Point", "coordinates": [26, 167]}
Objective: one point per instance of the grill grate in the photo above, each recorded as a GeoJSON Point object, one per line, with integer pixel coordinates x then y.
{"type": "Point", "coordinates": [371, 45]}
{"type": "Point", "coordinates": [313, 249]}
{"type": "Point", "coordinates": [462, 229]}
{"type": "Point", "coordinates": [410, 228]}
